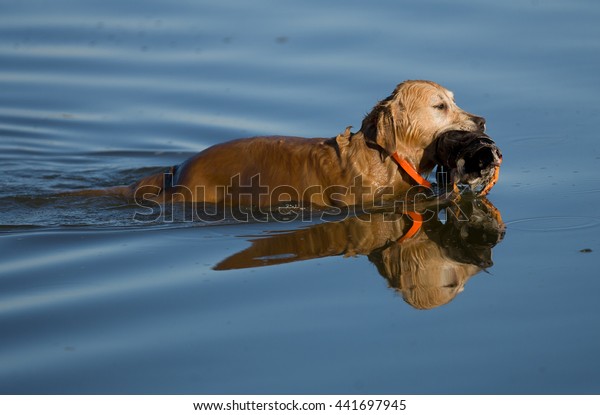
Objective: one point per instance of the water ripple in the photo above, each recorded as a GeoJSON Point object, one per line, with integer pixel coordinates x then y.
{"type": "Point", "coordinates": [553, 223]}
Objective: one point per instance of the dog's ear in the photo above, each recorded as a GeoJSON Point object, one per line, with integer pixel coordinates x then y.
{"type": "Point", "coordinates": [380, 128]}
{"type": "Point", "coordinates": [386, 131]}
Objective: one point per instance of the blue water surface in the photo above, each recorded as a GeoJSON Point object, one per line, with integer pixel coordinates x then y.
{"type": "Point", "coordinates": [100, 93]}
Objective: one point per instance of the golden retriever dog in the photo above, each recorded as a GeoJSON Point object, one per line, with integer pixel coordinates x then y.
{"type": "Point", "coordinates": [350, 169]}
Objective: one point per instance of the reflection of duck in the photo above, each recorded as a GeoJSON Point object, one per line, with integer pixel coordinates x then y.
{"type": "Point", "coordinates": [429, 268]}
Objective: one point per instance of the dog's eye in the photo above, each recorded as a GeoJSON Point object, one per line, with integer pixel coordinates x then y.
{"type": "Point", "coordinates": [441, 106]}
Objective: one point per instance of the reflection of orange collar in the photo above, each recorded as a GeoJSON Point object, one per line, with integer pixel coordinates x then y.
{"type": "Point", "coordinates": [410, 170]}
{"type": "Point", "coordinates": [417, 220]}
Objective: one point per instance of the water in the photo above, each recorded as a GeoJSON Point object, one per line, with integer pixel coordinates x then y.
{"type": "Point", "coordinates": [100, 93]}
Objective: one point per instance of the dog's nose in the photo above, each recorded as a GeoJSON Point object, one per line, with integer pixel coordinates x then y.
{"type": "Point", "coordinates": [479, 122]}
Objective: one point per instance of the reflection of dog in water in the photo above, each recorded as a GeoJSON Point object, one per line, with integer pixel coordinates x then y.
{"type": "Point", "coordinates": [429, 268]}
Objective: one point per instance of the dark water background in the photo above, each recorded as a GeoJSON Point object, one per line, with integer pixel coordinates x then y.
{"type": "Point", "coordinates": [99, 93]}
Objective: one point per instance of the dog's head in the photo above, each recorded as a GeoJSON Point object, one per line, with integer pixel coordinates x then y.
{"type": "Point", "coordinates": [410, 119]}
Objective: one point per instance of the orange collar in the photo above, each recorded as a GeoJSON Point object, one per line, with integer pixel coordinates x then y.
{"type": "Point", "coordinates": [410, 170]}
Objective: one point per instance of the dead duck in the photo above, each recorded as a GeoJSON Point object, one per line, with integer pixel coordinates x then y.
{"type": "Point", "coordinates": [467, 158]}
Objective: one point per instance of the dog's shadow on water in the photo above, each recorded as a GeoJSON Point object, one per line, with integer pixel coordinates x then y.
{"type": "Point", "coordinates": [427, 261]}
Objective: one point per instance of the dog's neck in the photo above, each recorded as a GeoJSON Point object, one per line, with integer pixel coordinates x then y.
{"type": "Point", "coordinates": [360, 157]}
{"type": "Point", "coordinates": [412, 155]}
{"type": "Point", "coordinates": [405, 162]}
